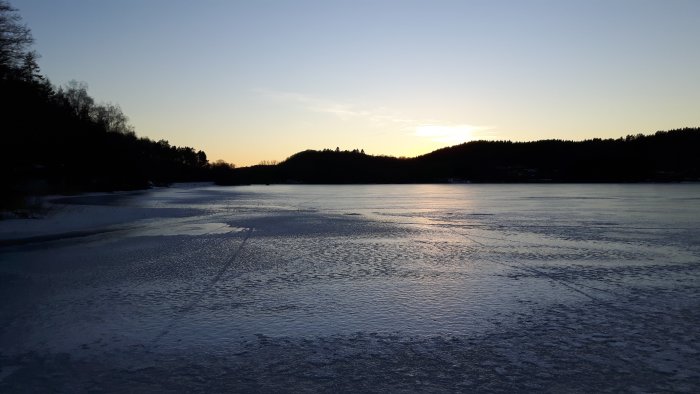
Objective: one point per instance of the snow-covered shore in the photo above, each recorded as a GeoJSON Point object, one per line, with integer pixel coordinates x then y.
{"type": "Point", "coordinates": [76, 215]}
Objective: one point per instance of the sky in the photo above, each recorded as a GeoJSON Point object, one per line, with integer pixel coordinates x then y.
{"type": "Point", "coordinates": [248, 81]}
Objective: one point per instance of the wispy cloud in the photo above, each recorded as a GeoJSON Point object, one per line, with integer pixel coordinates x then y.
{"type": "Point", "coordinates": [343, 110]}
{"type": "Point", "coordinates": [383, 118]}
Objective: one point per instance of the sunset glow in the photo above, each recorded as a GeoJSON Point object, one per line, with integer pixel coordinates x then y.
{"type": "Point", "coordinates": [449, 135]}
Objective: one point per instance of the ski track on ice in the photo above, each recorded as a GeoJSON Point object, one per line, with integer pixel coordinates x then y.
{"type": "Point", "coordinates": [173, 322]}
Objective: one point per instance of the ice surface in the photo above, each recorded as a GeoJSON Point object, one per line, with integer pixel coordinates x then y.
{"type": "Point", "coordinates": [355, 288]}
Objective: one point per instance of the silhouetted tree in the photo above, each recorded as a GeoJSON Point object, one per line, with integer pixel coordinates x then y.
{"type": "Point", "coordinates": [75, 96]}
{"type": "Point", "coordinates": [111, 118]}
{"type": "Point", "coordinates": [29, 71]}
{"type": "Point", "coordinates": [15, 38]}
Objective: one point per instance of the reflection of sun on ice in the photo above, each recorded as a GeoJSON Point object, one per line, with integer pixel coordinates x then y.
{"type": "Point", "coordinates": [454, 134]}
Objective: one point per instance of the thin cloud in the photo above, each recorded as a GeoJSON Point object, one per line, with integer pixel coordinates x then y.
{"type": "Point", "coordinates": [343, 110]}
{"type": "Point", "coordinates": [424, 128]}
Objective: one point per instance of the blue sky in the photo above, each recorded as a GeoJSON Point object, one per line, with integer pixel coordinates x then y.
{"type": "Point", "coordinates": [261, 80]}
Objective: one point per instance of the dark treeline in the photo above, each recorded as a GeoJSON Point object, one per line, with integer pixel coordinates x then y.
{"type": "Point", "coordinates": [60, 140]}
{"type": "Point", "coordinates": [661, 157]}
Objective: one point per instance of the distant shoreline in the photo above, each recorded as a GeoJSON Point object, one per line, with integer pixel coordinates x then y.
{"type": "Point", "coordinates": [666, 156]}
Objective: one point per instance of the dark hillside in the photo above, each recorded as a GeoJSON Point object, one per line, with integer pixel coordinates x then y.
{"type": "Point", "coordinates": [664, 156]}
{"type": "Point", "coordinates": [661, 157]}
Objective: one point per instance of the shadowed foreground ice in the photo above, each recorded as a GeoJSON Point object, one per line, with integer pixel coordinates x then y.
{"type": "Point", "coordinates": [355, 288]}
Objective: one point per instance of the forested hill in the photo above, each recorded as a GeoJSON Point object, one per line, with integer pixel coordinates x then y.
{"type": "Point", "coordinates": [58, 139]}
{"type": "Point", "coordinates": [661, 157]}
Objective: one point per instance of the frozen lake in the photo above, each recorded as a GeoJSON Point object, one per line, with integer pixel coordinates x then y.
{"type": "Point", "coordinates": [356, 288]}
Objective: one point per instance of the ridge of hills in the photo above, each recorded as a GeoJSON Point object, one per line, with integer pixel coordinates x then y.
{"type": "Point", "coordinates": [666, 156]}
